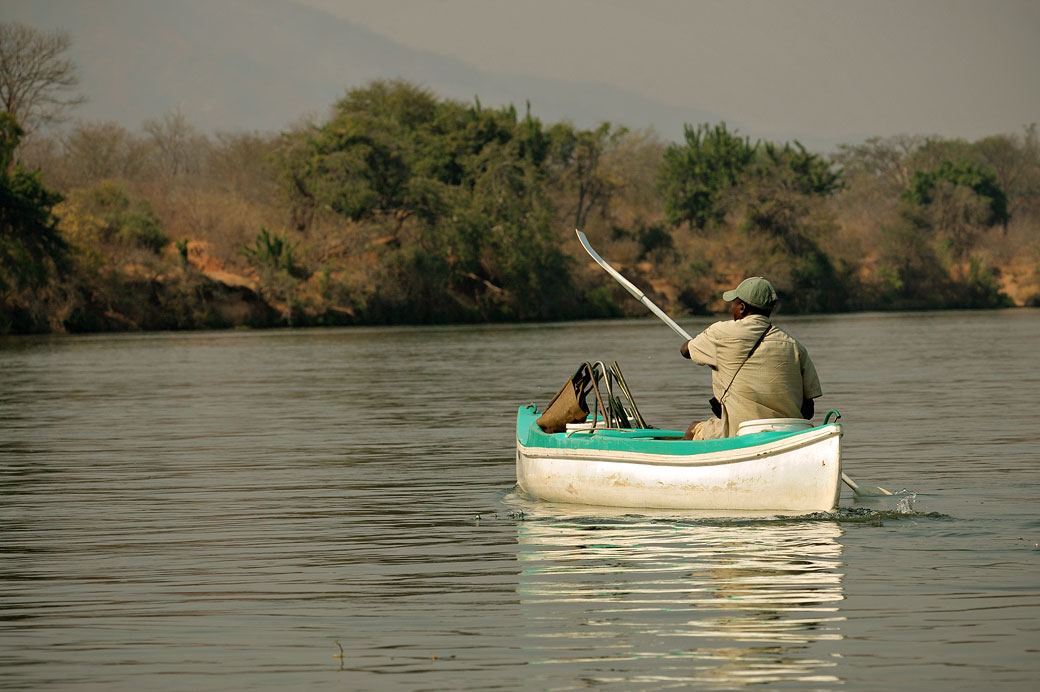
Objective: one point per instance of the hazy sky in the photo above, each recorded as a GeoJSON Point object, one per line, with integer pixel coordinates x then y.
{"type": "Point", "coordinates": [964, 68]}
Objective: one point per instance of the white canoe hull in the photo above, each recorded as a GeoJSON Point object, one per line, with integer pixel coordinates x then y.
{"type": "Point", "coordinates": [800, 473]}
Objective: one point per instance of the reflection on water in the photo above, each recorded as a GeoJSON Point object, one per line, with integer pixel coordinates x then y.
{"type": "Point", "coordinates": [694, 604]}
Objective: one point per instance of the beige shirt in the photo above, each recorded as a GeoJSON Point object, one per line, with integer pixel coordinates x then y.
{"type": "Point", "coordinates": [773, 382]}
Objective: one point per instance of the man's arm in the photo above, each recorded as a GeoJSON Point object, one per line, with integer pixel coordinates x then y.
{"type": "Point", "coordinates": [700, 349]}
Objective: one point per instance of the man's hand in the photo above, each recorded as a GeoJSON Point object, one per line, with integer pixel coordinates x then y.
{"type": "Point", "coordinates": [684, 350]}
{"type": "Point", "coordinates": [808, 409]}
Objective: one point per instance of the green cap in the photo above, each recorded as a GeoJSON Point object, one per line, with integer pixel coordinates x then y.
{"type": "Point", "coordinates": [755, 291]}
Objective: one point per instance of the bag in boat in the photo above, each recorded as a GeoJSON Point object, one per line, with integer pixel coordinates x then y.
{"type": "Point", "coordinates": [568, 406]}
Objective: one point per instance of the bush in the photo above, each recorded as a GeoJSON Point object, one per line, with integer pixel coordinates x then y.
{"type": "Point", "coordinates": [107, 214]}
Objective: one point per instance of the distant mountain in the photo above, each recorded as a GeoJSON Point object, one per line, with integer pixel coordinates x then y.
{"type": "Point", "coordinates": [262, 64]}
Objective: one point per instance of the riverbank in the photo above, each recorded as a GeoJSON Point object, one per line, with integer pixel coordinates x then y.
{"type": "Point", "coordinates": [405, 208]}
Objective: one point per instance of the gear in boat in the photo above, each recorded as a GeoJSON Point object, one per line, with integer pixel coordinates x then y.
{"type": "Point", "coordinates": [614, 406]}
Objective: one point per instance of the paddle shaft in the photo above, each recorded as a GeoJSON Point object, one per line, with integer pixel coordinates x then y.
{"type": "Point", "coordinates": [631, 287]}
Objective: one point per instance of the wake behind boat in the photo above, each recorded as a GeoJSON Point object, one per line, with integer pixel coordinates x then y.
{"type": "Point", "coordinates": [611, 457]}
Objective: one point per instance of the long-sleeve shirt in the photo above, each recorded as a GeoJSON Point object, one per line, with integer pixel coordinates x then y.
{"type": "Point", "coordinates": [773, 382]}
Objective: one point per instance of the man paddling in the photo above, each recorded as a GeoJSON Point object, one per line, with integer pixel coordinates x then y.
{"type": "Point", "coordinates": [758, 369]}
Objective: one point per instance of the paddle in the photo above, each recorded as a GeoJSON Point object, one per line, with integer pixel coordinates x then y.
{"type": "Point", "coordinates": [859, 490]}
{"type": "Point", "coordinates": [631, 288]}
{"type": "Point", "coordinates": [864, 490]}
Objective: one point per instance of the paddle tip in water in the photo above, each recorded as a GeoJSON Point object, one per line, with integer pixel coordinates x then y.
{"type": "Point", "coordinates": [871, 491]}
{"type": "Point", "coordinates": [864, 490]}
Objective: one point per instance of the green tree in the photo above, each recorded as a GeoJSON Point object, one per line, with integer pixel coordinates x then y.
{"type": "Point", "coordinates": [31, 248]}
{"type": "Point", "coordinates": [106, 214]}
{"type": "Point", "coordinates": [781, 207]}
{"type": "Point", "coordinates": [962, 173]}
{"type": "Point", "coordinates": [779, 193]}
{"type": "Point", "coordinates": [280, 273]}
{"type": "Point", "coordinates": [958, 199]}
{"type": "Point", "coordinates": [695, 176]}
{"type": "Point", "coordinates": [461, 191]}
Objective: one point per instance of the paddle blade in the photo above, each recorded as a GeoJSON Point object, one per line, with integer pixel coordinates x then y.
{"type": "Point", "coordinates": [870, 491]}
{"type": "Point", "coordinates": [864, 490]}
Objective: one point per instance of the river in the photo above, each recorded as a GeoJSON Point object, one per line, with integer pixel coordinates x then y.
{"type": "Point", "coordinates": [335, 509]}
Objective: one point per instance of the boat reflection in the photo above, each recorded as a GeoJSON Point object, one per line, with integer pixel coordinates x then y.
{"type": "Point", "coordinates": [699, 603]}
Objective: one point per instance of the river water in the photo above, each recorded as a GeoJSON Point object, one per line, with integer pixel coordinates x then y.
{"type": "Point", "coordinates": [335, 509]}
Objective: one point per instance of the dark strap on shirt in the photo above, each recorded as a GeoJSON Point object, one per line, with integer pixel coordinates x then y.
{"type": "Point", "coordinates": [761, 337]}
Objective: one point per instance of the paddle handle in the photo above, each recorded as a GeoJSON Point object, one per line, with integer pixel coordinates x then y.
{"type": "Point", "coordinates": [631, 287]}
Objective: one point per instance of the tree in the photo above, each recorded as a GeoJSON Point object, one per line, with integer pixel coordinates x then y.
{"type": "Point", "coordinates": [94, 152]}
{"type": "Point", "coordinates": [1015, 161]}
{"type": "Point", "coordinates": [695, 176]}
{"type": "Point", "coordinates": [37, 84]}
{"type": "Point", "coordinates": [240, 162]}
{"type": "Point", "coordinates": [958, 199]}
{"type": "Point", "coordinates": [882, 158]}
{"type": "Point", "coordinates": [781, 204]}
{"type": "Point", "coordinates": [359, 164]}
{"type": "Point", "coordinates": [106, 215]}
{"type": "Point", "coordinates": [180, 147]}
{"type": "Point", "coordinates": [280, 274]}
{"type": "Point", "coordinates": [31, 248]}
{"type": "Point", "coordinates": [453, 198]}
{"type": "Point", "coordinates": [579, 154]}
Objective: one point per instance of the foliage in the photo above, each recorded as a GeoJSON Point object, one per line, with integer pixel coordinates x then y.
{"type": "Point", "coordinates": [274, 252]}
{"type": "Point", "coordinates": [652, 239]}
{"type": "Point", "coordinates": [107, 214]}
{"type": "Point", "coordinates": [576, 158]}
{"type": "Point", "coordinates": [956, 200]}
{"type": "Point", "coordinates": [460, 189]}
{"type": "Point", "coordinates": [275, 260]}
{"type": "Point", "coordinates": [1015, 161]}
{"type": "Point", "coordinates": [405, 207]}
{"type": "Point", "coordinates": [808, 174]}
{"type": "Point", "coordinates": [182, 250]}
{"type": "Point", "coordinates": [31, 249]}
{"type": "Point", "coordinates": [695, 176]}
{"type": "Point", "coordinates": [924, 187]}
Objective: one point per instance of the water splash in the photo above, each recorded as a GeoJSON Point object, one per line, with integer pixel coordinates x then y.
{"type": "Point", "coordinates": [905, 504]}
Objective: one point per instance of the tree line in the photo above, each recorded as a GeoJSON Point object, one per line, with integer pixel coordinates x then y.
{"type": "Point", "coordinates": [404, 207]}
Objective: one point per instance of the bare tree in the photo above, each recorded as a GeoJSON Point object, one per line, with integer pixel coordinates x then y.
{"type": "Point", "coordinates": [37, 84]}
{"type": "Point", "coordinates": [102, 151]}
{"type": "Point", "coordinates": [181, 148]}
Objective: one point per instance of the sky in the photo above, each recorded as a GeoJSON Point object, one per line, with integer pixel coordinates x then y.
{"type": "Point", "coordinates": [836, 68]}
{"type": "Point", "coordinates": [820, 71]}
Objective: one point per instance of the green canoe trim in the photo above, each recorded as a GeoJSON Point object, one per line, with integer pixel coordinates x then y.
{"type": "Point", "coordinates": [529, 434]}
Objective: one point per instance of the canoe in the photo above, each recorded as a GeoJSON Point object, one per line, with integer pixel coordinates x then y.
{"type": "Point", "coordinates": [783, 470]}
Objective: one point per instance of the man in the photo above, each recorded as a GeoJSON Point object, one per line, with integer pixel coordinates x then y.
{"type": "Point", "coordinates": [778, 380]}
